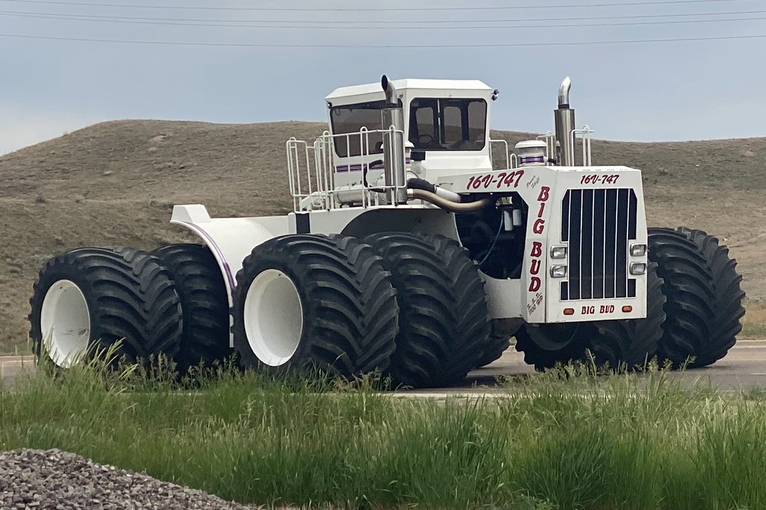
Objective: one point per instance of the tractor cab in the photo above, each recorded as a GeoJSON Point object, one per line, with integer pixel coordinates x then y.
{"type": "Point", "coordinates": [445, 128]}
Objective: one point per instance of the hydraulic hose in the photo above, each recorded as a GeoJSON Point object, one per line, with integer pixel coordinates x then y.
{"type": "Point", "coordinates": [457, 207]}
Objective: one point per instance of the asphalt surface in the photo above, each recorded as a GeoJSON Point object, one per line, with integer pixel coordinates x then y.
{"type": "Point", "coordinates": [744, 368]}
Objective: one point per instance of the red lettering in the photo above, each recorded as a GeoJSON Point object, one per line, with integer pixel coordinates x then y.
{"type": "Point", "coordinates": [537, 247]}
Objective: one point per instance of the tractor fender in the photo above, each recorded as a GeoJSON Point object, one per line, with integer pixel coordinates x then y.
{"type": "Point", "coordinates": [428, 220]}
{"type": "Point", "coordinates": [229, 239]}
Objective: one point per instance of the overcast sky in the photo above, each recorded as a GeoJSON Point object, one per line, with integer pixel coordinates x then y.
{"type": "Point", "coordinates": [674, 90]}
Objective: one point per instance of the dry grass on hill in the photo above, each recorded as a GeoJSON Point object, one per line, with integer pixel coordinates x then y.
{"type": "Point", "coordinates": [115, 183]}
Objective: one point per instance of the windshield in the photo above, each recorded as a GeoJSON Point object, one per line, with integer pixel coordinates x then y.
{"type": "Point", "coordinates": [351, 119]}
{"type": "Point", "coordinates": [448, 124]}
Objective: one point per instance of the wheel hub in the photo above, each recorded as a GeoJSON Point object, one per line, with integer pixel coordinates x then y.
{"type": "Point", "coordinates": [273, 317]}
{"type": "Point", "coordinates": [65, 323]}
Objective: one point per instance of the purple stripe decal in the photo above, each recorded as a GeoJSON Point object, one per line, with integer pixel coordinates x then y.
{"type": "Point", "coordinates": [358, 167]}
{"type": "Point", "coordinates": [214, 246]}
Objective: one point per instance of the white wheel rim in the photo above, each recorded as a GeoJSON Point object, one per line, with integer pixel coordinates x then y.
{"type": "Point", "coordinates": [65, 323]}
{"type": "Point", "coordinates": [273, 317]}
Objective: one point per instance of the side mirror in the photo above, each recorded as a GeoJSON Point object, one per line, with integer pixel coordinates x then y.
{"type": "Point", "coordinates": [418, 155]}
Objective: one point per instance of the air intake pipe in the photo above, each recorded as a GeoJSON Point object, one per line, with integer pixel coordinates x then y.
{"type": "Point", "coordinates": [565, 124]}
{"type": "Point", "coordinates": [393, 143]}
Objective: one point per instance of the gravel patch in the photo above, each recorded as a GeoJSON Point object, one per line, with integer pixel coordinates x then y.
{"type": "Point", "coordinates": [53, 479]}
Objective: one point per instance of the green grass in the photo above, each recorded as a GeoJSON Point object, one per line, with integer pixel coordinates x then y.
{"type": "Point", "coordinates": [566, 440]}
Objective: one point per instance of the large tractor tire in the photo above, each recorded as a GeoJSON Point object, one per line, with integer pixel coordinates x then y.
{"type": "Point", "coordinates": [633, 343]}
{"type": "Point", "coordinates": [728, 296]}
{"type": "Point", "coordinates": [618, 344]}
{"type": "Point", "coordinates": [690, 295]}
{"type": "Point", "coordinates": [310, 302]}
{"type": "Point", "coordinates": [503, 330]}
{"type": "Point", "coordinates": [204, 302]}
{"type": "Point", "coordinates": [91, 298]}
{"type": "Point", "coordinates": [444, 322]}
{"type": "Point", "coordinates": [546, 345]}
{"type": "Point", "coordinates": [497, 344]}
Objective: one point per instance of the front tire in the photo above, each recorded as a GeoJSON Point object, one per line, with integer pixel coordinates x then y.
{"type": "Point", "coordinates": [727, 305]}
{"type": "Point", "coordinates": [633, 343]}
{"type": "Point", "coordinates": [615, 344]}
{"type": "Point", "coordinates": [306, 302]}
{"type": "Point", "coordinates": [547, 345]}
{"type": "Point", "coordinates": [91, 298]}
{"type": "Point", "coordinates": [689, 290]}
{"type": "Point", "coordinates": [444, 319]}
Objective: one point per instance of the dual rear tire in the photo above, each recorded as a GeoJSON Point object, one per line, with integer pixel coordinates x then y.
{"type": "Point", "coordinates": [411, 307]}
{"type": "Point", "coordinates": [136, 304]}
{"type": "Point", "coordinates": [95, 299]}
{"type": "Point", "coordinates": [408, 306]}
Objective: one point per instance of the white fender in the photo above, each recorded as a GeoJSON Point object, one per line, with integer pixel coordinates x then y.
{"type": "Point", "coordinates": [229, 239]}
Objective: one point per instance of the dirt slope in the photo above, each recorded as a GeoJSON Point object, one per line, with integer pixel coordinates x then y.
{"type": "Point", "coordinates": [115, 183]}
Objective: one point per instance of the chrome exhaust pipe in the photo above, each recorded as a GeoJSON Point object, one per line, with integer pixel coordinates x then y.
{"type": "Point", "coordinates": [565, 125]}
{"type": "Point", "coordinates": [392, 120]}
{"type": "Point", "coordinates": [566, 86]}
{"type": "Point", "coordinates": [389, 89]}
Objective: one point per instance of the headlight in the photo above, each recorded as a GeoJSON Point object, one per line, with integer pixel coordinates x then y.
{"type": "Point", "coordinates": [638, 268]}
{"type": "Point", "coordinates": [558, 271]}
{"type": "Point", "coordinates": [559, 252]}
{"type": "Point", "coordinates": [637, 250]}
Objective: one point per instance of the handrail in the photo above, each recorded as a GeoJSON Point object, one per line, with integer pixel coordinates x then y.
{"type": "Point", "coordinates": [312, 170]}
{"type": "Point", "coordinates": [585, 133]}
{"type": "Point", "coordinates": [507, 151]}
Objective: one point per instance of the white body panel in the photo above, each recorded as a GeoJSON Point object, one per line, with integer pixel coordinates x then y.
{"type": "Point", "coordinates": [534, 297]}
{"type": "Point", "coordinates": [543, 189]}
{"type": "Point", "coordinates": [230, 239]}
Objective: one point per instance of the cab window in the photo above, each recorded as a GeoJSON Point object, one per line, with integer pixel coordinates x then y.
{"type": "Point", "coordinates": [351, 119]}
{"type": "Point", "coordinates": [448, 124]}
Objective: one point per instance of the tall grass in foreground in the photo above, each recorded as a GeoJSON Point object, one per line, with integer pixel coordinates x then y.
{"type": "Point", "coordinates": [567, 440]}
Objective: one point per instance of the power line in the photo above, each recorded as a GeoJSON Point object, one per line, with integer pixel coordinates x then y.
{"type": "Point", "coordinates": [385, 46]}
{"type": "Point", "coordinates": [634, 3]}
{"type": "Point", "coordinates": [348, 27]}
{"type": "Point", "coordinates": [365, 24]}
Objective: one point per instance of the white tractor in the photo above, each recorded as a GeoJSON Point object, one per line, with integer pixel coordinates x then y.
{"type": "Point", "coordinates": [410, 253]}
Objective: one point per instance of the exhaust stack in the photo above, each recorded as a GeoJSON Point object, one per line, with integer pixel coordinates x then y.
{"type": "Point", "coordinates": [393, 143]}
{"type": "Point", "coordinates": [565, 124]}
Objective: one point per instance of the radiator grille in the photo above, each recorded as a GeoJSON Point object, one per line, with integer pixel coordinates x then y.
{"type": "Point", "coordinates": [598, 224]}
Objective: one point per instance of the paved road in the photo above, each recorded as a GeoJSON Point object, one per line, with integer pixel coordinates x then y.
{"type": "Point", "coordinates": [743, 368]}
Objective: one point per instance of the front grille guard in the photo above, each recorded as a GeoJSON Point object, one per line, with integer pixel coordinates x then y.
{"type": "Point", "coordinates": [598, 225]}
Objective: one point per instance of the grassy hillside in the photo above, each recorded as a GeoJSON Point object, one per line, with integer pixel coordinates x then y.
{"type": "Point", "coordinates": [115, 183]}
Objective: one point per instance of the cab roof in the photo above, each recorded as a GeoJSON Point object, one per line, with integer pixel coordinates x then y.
{"type": "Point", "coordinates": [373, 91]}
